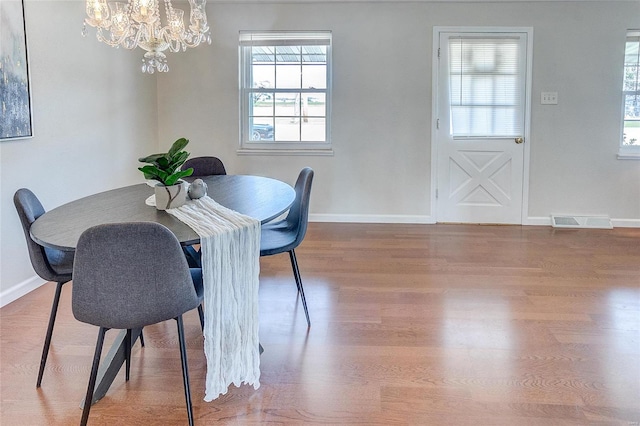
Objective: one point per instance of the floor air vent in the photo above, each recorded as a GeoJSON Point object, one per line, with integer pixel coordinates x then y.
{"type": "Point", "coordinates": [566, 221]}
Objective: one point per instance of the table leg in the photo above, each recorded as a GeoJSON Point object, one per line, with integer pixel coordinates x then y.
{"type": "Point", "coordinates": [111, 364]}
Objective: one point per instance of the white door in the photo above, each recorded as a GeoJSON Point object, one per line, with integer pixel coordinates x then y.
{"type": "Point", "coordinates": [482, 98]}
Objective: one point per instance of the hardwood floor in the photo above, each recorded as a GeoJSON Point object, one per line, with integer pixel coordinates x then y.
{"type": "Point", "coordinates": [410, 324]}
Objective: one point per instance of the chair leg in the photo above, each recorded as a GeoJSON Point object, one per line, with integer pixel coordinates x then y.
{"type": "Point", "coordinates": [141, 339]}
{"type": "Point", "coordinates": [47, 340]}
{"type": "Point", "coordinates": [185, 369]}
{"type": "Point", "coordinates": [201, 315]}
{"type": "Point", "coordinates": [127, 354]}
{"type": "Point", "coordinates": [296, 275]}
{"type": "Point", "coordinates": [92, 377]}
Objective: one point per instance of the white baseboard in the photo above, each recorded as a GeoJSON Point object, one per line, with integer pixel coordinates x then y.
{"type": "Point", "coordinates": [537, 221]}
{"type": "Point", "coordinates": [617, 223]}
{"type": "Point", "coordinates": [365, 218]}
{"type": "Point", "coordinates": [19, 290]}
{"type": "Point", "coordinates": [626, 223]}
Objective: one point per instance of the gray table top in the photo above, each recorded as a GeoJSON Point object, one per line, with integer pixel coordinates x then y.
{"type": "Point", "coordinates": [259, 197]}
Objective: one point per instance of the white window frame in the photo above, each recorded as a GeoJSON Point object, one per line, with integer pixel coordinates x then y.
{"type": "Point", "coordinates": [628, 152]}
{"type": "Point", "coordinates": [248, 39]}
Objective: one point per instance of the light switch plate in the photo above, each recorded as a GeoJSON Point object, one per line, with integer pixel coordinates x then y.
{"type": "Point", "coordinates": [549, 98]}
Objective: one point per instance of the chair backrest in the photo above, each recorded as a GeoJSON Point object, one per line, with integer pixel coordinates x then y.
{"type": "Point", "coordinates": [128, 275]}
{"type": "Point", "coordinates": [205, 166]}
{"type": "Point", "coordinates": [298, 215]}
{"type": "Point", "coordinates": [29, 209]}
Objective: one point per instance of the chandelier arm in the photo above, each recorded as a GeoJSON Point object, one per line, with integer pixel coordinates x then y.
{"type": "Point", "coordinates": [138, 36]}
{"type": "Point", "coordinates": [197, 41]}
{"type": "Point", "coordinates": [174, 45]}
{"type": "Point", "coordinates": [115, 42]}
{"type": "Point", "coordinates": [100, 36]}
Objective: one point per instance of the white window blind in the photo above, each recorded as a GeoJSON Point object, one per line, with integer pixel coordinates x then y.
{"type": "Point", "coordinates": [248, 38]}
{"type": "Point", "coordinates": [487, 86]}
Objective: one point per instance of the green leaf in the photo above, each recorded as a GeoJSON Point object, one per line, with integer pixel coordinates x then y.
{"type": "Point", "coordinates": [178, 160]}
{"type": "Point", "coordinates": [177, 176]}
{"type": "Point", "coordinates": [149, 170]}
{"type": "Point", "coordinates": [178, 146]}
{"type": "Point", "coordinates": [163, 162]}
{"type": "Point", "coordinates": [149, 175]}
{"type": "Point", "coordinates": [151, 158]}
{"type": "Point", "coordinates": [152, 172]}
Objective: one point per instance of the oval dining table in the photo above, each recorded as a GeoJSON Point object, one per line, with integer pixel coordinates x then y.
{"type": "Point", "coordinates": [259, 197]}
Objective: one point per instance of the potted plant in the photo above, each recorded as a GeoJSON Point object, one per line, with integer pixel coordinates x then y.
{"type": "Point", "coordinates": [165, 169]}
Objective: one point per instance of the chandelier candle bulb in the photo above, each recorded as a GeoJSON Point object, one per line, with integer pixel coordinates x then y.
{"type": "Point", "coordinates": [119, 20]}
{"type": "Point", "coordinates": [138, 23]}
{"type": "Point", "coordinates": [97, 12]}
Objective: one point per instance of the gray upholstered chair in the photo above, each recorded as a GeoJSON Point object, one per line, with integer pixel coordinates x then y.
{"type": "Point", "coordinates": [49, 264]}
{"type": "Point", "coordinates": [287, 234]}
{"type": "Point", "coordinates": [205, 166]}
{"type": "Point", "coordinates": [130, 275]}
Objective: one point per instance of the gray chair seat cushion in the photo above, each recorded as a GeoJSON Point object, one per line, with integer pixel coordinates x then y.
{"type": "Point", "coordinates": [60, 261]}
{"type": "Point", "coordinates": [278, 237]}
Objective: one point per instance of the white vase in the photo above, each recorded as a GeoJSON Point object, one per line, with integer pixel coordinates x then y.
{"type": "Point", "coordinates": [170, 197]}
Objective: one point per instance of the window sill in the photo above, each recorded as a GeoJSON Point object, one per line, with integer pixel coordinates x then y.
{"type": "Point", "coordinates": [629, 154]}
{"type": "Point", "coordinates": [264, 151]}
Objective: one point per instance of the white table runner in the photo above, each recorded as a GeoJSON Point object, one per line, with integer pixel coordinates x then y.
{"type": "Point", "coordinates": [230, 247]}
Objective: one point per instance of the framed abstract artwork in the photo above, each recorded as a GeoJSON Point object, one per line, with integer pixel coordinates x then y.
{"type": "Point", "coordinates": [15, 93]}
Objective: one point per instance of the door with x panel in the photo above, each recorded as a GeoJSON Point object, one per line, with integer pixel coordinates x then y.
{"type": "Point", "coordinates": [482, 98]}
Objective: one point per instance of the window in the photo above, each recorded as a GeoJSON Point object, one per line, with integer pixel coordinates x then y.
{"type": "Point", "coordinates": [630, 144]}
{"type": "Point", "coordinates": [285, 92]}
{"type": "Point", "coordinates": [486, 77]}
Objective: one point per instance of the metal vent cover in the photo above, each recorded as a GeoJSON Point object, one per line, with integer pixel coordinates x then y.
{"type": "Point", "coordinates": [570, 221]}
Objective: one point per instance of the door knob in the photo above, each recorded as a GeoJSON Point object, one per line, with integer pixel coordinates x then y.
{"type": "Point", "coordinates": [519, 140]}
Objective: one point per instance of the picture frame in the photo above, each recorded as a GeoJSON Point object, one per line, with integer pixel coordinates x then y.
{"type": "Point", "coordinates": [16, 118]}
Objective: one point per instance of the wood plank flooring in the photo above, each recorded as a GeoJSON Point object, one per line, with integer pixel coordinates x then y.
{"type": "Point", "coordinates": [411, 325]}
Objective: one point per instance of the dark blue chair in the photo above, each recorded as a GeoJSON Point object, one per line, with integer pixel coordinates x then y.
{"type": "Point", "coordinates": [49, 264]}
{"type": "Point", "coordinates": [287, 234]}
{"type": "Point", "coordinates": [205, 166]}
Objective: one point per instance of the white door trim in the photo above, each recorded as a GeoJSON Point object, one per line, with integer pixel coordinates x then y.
{"type": "Point", "coordinates": [435, 113]}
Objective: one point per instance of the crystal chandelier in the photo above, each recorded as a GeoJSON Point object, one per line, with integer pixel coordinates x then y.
{"type": "Point", "coordinates": [137, 23]}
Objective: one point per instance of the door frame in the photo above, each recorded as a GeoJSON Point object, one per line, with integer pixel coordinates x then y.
{"type": "Point", "coordinates": [437, 30]}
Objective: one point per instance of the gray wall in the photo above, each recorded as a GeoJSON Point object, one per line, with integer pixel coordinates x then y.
{"type": "Point", "coordinates": [381, 121]}
{"type": "Point", "coordinates": [95, 113]}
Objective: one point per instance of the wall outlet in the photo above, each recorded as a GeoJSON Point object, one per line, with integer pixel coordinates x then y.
{"type": "Point", "coordinates": [549, 98]}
